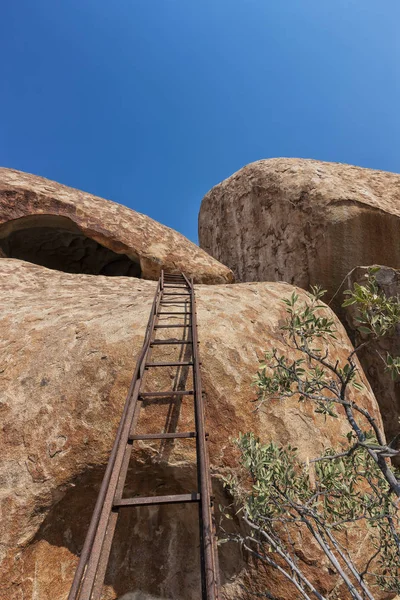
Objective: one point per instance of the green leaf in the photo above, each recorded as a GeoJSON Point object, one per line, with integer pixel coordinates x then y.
{"type": "Point", "coordinates": [373, 270]}
{"type": "Point", "coordinates": [348, 302]}
{"type": "Point", "coordinates": [364, 329]}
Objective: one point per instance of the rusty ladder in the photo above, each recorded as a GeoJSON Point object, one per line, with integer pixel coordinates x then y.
{"type": "Point", "coordinates": [90, 573]}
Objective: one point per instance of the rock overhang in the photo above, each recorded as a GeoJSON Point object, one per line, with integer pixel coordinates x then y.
{"type": "Point", "coordinates": [56, 242]}
{"type": "Point", "coordinates": [62, 228]}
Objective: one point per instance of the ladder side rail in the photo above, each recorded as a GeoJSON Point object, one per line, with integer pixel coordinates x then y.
{"type": "Point", "coordinates": [189, 282]}
{"type": "Point", "coordinates": [74, 593]}
{"type": "Point", "coordinates": [206, 525]}
{"type": "Point", "coordinates": [217, 582]}
{"type": "Point", "coordinates": [108, 525]}
{"type": "Point", "coordinates": [118, 482]}
{"type": "Point", "coordinates": [102, 534]}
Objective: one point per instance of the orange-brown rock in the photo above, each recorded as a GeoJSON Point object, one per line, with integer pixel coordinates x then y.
{"type": "Point", "coordinates": [62, 228]}
{"type": "Point", "coordinates": [372, 355]}
{"type": "Point", "coordinates": [302, 221]}
{"type": "Point", "coordinates": [67, 352]}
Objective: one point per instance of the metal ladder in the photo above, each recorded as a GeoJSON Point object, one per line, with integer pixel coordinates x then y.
{"type": "Point", "coordinates": [90, 573]}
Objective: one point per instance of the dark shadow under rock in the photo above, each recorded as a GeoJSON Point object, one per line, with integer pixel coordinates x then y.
{"type": "Point", "coordinates": [155, 549]}
{"type": "Point", "coordinates": [57, 243]}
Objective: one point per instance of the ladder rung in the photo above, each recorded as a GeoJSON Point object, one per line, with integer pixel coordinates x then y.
{"type": "Point", "coordinates": [168, 393]}
{"type": "Point", "coordinates": [175, 302]}
{"type": "Point", "coordinates": [162, 436]}
{"type": "Point", "coordinates": [171, 326]}
{"type": "Point", "coordinates": [173, 499]}
{"type": "Point", "coordinates": [173, 313]}
{"type": "Point", "coordinates": [176, 293]}
{"type": "Point", "coordinates": [169, 342]}
{"type": "Point", "coordinates": [175, 286]}
{"type": "Point", "coordinates": [171, 364]}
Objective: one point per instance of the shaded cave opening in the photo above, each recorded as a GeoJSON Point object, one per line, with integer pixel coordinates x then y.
{"type": "Point", "coordinates": [57, 243]}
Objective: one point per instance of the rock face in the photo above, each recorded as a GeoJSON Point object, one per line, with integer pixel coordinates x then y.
{"type": "Point", "coordinates": [62, 228]}
{"type": "Point", "coordinates": [302, 221]}
{"type": "Point", "coordinates": [67, 353]}
{"type": "Point", "coordinates": [387, 391]}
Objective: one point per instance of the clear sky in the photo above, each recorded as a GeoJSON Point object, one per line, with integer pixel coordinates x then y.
{"type": "Point", "coordinates": [152, 102]}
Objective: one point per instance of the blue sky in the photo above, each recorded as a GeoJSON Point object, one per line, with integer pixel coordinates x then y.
{"type": "Point", "coordinates": [152, 102]}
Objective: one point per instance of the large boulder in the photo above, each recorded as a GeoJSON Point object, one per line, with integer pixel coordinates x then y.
{"type": "Point", "coordinates": [302, 221]}
{"type": "Point", "coordinates": [62, 228]}
{"type": "Point", "coordinates": [67, 352]}
{"type": "Point", "coordinates": [373, 354]}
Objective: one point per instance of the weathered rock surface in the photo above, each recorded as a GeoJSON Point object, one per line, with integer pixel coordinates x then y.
{"type": "Point", "coordinates": [67, 352]}
{"type": "Point", "coordinates": [59, 227]}
{"type": "Point", "coordinates": [387, 391]}
{"type": "Point", "coordinates": [302, 221]}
